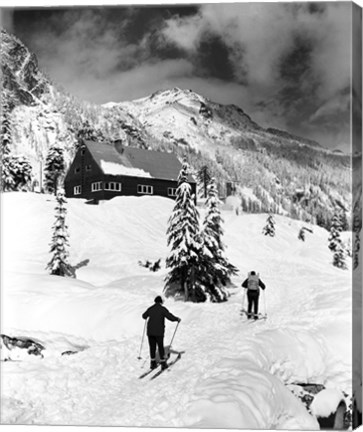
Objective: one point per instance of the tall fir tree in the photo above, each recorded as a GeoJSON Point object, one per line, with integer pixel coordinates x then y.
{"type": "Point", "coordinates": [215, 270]}
{"type": "Point", "coordinates": [59, 265]}
{"type": "Point", "coordinates": [54, 168]}
{"type": "Point", "coordinates": [335, 241]}
{"type": "Point", "coordinates": [269, 228]}
{"type": "Point", "coordinates": [204, 177]}
{"type": "Point", "coordinates": [184, 239]}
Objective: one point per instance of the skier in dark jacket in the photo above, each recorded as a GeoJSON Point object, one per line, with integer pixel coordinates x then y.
{"type": "Point", "coordinates": [155, 330]}
{"type": "Point", "coordinates": [253, 284]}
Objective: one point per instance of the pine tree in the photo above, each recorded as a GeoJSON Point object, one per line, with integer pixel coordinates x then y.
{"type": "Point", "coordinates": [339, 256]}
{"type": "Point", "coordinates": [16, 170]}
{"type": "Point", "coordinates": [269, 228]}
{"type": "Point", "coordinates": [59, 265]}
{"type": "Point", "coordinates": [204, 178]}
{"type": "Point", "coordinates": [215, 270]}
{"type": "Point", "coordinates": [54, 168]}
{"type": "Point", "coordinates": [357, 229]}
{"type": "Point", "coordinates": [6, 127]}
{"type": "Point", "coordinates": [335, 241]}
{"type": "Point", "coordinates": [7, 181]}
{"type": "Point", "coordinates": [88, 133]}
{"type": "Point", "coordinates": [183, 236]}
{"type": "Point", "coordinates": [21, 172]}
{"type": "Point", "coordinates": [335, 230]}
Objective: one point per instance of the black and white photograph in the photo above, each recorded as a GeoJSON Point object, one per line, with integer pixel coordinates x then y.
{"type": "Point", "coordinates": [181, 215]}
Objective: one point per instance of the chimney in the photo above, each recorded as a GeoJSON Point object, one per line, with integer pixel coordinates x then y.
{"type": "Point", "coordinates": [118, 146]}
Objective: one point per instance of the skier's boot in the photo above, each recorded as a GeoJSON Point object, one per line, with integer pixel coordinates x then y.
{"type": "Point", "coordinates": [164, 365]}
{"type": "Point", "coordinates": [153, 364]}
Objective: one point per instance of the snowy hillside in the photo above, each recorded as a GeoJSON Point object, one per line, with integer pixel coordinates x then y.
{"type": "Point", "coordinates": [232, 374]}
{"type": "Point", "coordinates": [272, 170]}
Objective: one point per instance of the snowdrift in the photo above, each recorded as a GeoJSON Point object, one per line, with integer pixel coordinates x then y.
{"type": "Point", "coordinates": [232, 374]}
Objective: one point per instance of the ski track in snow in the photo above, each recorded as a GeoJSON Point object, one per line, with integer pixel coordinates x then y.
{"type": "Point", "coordinates": [232, 373]}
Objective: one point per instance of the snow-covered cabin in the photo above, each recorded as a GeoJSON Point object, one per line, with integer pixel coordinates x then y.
{"type": "Point", "coordinates": [101, 171]}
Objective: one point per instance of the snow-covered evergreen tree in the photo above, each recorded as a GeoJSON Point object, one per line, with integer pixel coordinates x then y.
{"type": "Point", "coordinates": [184, 238]}
{"type": "Point", "coordinates": [335, 241]}
{"type": "Point", "coordinates": [16, 170]}
{"type": "Point", "coordinates": [7, 181]}
{"type": "Point", "coordinates": [21, 170]}
{"type": "Point", "coordinates": [357, 229]}
{"type": "Point", "coordinates": [204, 177]}
{"type": "Point", "coordinates": [59, 265]}
{"type": "Point", "coordinates": [6, 127]}
{"type": "Point", "coordinates": [16, 174]}
{"type": "Point", "coordinates": [269, 228]}
{"type": "Point", "coordinates": [87, 132]}
{"type": "Point", "coordinates": [54, 168]}
{"type": "Point", "coordinates": [339, 256]}
{"type": "Point", "coordinates": [335, 230]}
{"type": "Point", "coordinates": [216, 271]}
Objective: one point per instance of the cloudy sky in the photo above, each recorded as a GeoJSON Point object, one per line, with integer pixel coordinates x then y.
{"type": "Point", "coordinates": [286, 64]}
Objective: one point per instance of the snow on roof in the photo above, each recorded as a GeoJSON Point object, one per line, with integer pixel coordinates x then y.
{"type": "Point", "coordinates": [141, 162]}
{"type": "Point", "coordinates": [119, 169]}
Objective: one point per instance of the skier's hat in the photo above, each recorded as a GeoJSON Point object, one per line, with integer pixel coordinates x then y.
{"type": "Point", "coordinates": [158, 299]}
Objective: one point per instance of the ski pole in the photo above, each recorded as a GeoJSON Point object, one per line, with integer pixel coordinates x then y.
{"type": "Point", "coordinates": [142, 340]}
{"type": "Point", "coordinates": [264, 301]}
{"type": "Point", "coordinates": [243, 299]}
{"type": "Point", "coordinates": [171, 342]}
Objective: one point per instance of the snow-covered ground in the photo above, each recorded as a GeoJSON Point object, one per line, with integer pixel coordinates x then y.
{"type": "Point", "coordinates": [232, 374]}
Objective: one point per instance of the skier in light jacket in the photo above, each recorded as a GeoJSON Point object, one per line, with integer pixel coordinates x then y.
{"type": "Point", "coordinates": [253, 284]}
{"type": "Point", "coordinates": [155, 330]}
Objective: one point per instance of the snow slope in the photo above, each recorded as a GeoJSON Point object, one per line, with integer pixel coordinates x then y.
{"type": "Point", "coordinates": [232, 374]}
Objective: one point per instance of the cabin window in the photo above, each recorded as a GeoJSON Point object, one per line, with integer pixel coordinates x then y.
{"type": "Point", "coordinates": [77, 190]}
{"type": "Point", "coordinates": [145, 189]}
{"type": "Point", "coordinates": [113, 186]}
{"type": "Point", "coordinates": [96, 186]}
{"type": "Point", "coordinates": [77, 169]}
{"type": "Point", "coordinates": [88, 167]}
{"type": "Point", "coordinates": [172, 192]}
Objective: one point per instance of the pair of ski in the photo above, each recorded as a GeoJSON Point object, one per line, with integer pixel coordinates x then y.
{"type": "Point", "coordinates": [159, 370]}
{"type": "Point", "coordinates": [253, 317]}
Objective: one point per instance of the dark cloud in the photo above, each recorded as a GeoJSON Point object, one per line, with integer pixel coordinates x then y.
{"type": "Point", "coordinates": [286, 64]}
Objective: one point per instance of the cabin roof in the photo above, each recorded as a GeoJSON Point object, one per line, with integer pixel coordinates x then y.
{"type": "Point", "coordinates": [135, 162]}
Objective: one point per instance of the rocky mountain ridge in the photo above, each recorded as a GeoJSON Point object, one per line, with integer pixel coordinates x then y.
{"type": "Point", "coordinates": [271, 170]}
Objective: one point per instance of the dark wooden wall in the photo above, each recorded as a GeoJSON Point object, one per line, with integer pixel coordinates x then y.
{"type": "Point", "coordinates": [85, 178]}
